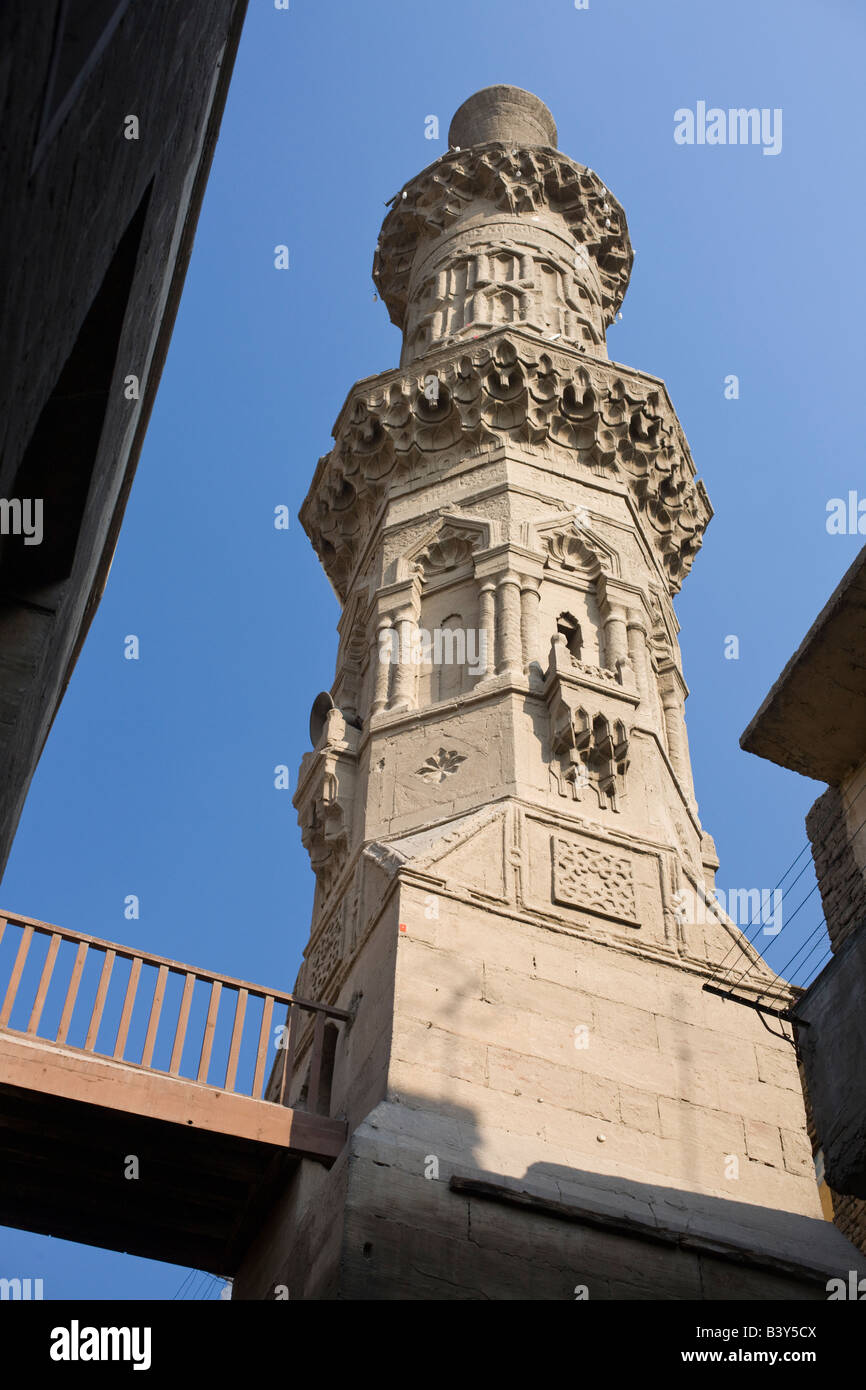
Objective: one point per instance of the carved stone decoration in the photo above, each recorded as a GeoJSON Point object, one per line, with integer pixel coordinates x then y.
{"type": "Point", "coordinates": [325, 796]}
{"type": "Point", "coordinates": [588, 877]}
{"type": "Point", "coordinates": [573, 547]}
{"type": "Point", "coordinates": [599, 673]}
{"type": "Point", "coordinates": [451, 547]}
{"type": "Point", "coordinates": [518, 182]}
{"type": "Point", "coordinates": [660, 641]}
{"type": "Point", "coordinates": [588, 754]}
{"type": "Point", "coordinates": [506, 387]}
{"type": "Point", "coordinates": [324, 955]}
{"type": "Point", "coordinates": [441, 765]}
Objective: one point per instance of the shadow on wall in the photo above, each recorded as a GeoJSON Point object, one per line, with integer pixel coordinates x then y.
{"type": "Point", "coordinates": [427, 1221]}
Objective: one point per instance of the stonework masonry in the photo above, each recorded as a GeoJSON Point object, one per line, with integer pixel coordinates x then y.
{"type": "Point", "coordinates": [541, 1096]}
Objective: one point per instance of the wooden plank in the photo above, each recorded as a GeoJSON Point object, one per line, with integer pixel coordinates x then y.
{"type": "Point", "coordinates": [15, 978]}
{"type": "Point", "coordinates": [182, 1021]}
{"type": "Point", "coordinates": [289, 1055]}
{"type": "Point", "coordinates": [264, 1044]}
{"type": "Point", "coordinates": [316, 1063]}
{"type": "Point", "coordinates": [36, 1065]}
{"type": "Point", "coordinates": [210, 1025]}
{"type": "Point", "coordinates": [44, 982]}
{"type": "Point", "coordinates": [72, 991]}
{"type": "Point", "coordinates": [99, 1002]}
{"type": "Point", "coordinates": [155, 1011]}
{"type": "Point", "coordinates": [128, 1005]}
{"type": "Point", "coordinates": [237, 1034]}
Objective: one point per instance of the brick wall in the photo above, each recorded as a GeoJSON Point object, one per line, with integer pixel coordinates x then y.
{"type": "Point", "coordinates": [840, 878]}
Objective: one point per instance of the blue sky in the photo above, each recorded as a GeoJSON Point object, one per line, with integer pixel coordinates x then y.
{"type": "Point", "coordinates": [157, 778]}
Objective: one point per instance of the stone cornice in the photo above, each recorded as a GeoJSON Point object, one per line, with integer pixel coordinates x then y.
{"type": "Point", "coordinates": [505, 387]}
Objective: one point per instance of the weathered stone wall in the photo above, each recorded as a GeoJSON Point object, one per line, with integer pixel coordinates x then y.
{"type": "Point", "coordinates": [501, 1051]}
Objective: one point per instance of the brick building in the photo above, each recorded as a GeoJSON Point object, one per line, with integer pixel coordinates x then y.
{"type": "Point", "coordinates": [813, 721]}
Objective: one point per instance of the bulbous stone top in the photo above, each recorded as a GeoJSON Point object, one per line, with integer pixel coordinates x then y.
{"type": "Point", "coordinates": [508, 114]}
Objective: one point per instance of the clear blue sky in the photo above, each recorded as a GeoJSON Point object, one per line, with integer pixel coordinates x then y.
{"type": "Point", "coordinates": [158, 776]}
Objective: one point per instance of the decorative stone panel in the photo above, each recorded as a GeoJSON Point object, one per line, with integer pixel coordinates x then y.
{"type": "Point", "coordinates": [594, 879]}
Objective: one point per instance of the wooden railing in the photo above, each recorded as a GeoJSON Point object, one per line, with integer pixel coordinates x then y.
{"type": "Point", "coordinates": [90, 997]}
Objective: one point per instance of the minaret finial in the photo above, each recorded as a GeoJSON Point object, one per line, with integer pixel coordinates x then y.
{"type": "Point", "coordinates": [502, 113]}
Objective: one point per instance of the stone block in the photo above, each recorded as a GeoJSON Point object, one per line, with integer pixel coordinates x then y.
{"type": "Point", "coordinates": [763, 1143]}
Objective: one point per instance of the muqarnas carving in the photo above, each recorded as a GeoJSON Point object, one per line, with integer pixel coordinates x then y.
{"type": "Point", "coordinates": [613, 422]}
{"type": "Point", "coordinates": [589, 754]}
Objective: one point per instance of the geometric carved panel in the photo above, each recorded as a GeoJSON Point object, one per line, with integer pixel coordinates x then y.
{"type": "Point", "coordinates": [324, 957]}
{"type": "Point", "coordinates": [594, 880]}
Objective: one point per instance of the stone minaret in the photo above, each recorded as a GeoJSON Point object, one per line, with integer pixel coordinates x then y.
{"type": "Point", "coordinates": [498, 804]}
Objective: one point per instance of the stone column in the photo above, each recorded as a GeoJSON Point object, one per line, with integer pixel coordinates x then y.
{"type": "Point", "coordinates": [530, 605]}
{"type": "Point", "coordinates": [487, 623]}
{"type": "Point", "coordinates": [675, 727]}
{"type": "Point", "coordinates": [403, 694]}
{"type": "Point", "coordinates": [382, 668]}
{"type": "Point", "coordinates": [615, 635]}
{"type": "Point", "coordinates": [637, 650]}
{"type": "Point", "coordinates": [509, 642]}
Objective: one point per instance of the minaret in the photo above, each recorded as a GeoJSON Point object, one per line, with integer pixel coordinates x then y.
{"type": "Point", "coordinates": [512, 877]}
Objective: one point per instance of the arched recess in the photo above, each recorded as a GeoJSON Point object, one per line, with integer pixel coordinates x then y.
{"type": "Point", "coordinates": [575, 560]}
{"type": "Point", "coordinates": [448, 621]}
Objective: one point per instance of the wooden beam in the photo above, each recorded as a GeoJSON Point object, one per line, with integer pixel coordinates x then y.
{"type": "Point", "coordinates": [95, 1080]}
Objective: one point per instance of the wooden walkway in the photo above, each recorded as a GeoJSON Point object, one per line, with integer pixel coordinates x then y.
{"type": "Point", "coordinates": [150, 1106]}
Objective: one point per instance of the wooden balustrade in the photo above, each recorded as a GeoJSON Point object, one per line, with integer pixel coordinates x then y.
{"type": "Point", "coordinates": [157, 1034]}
